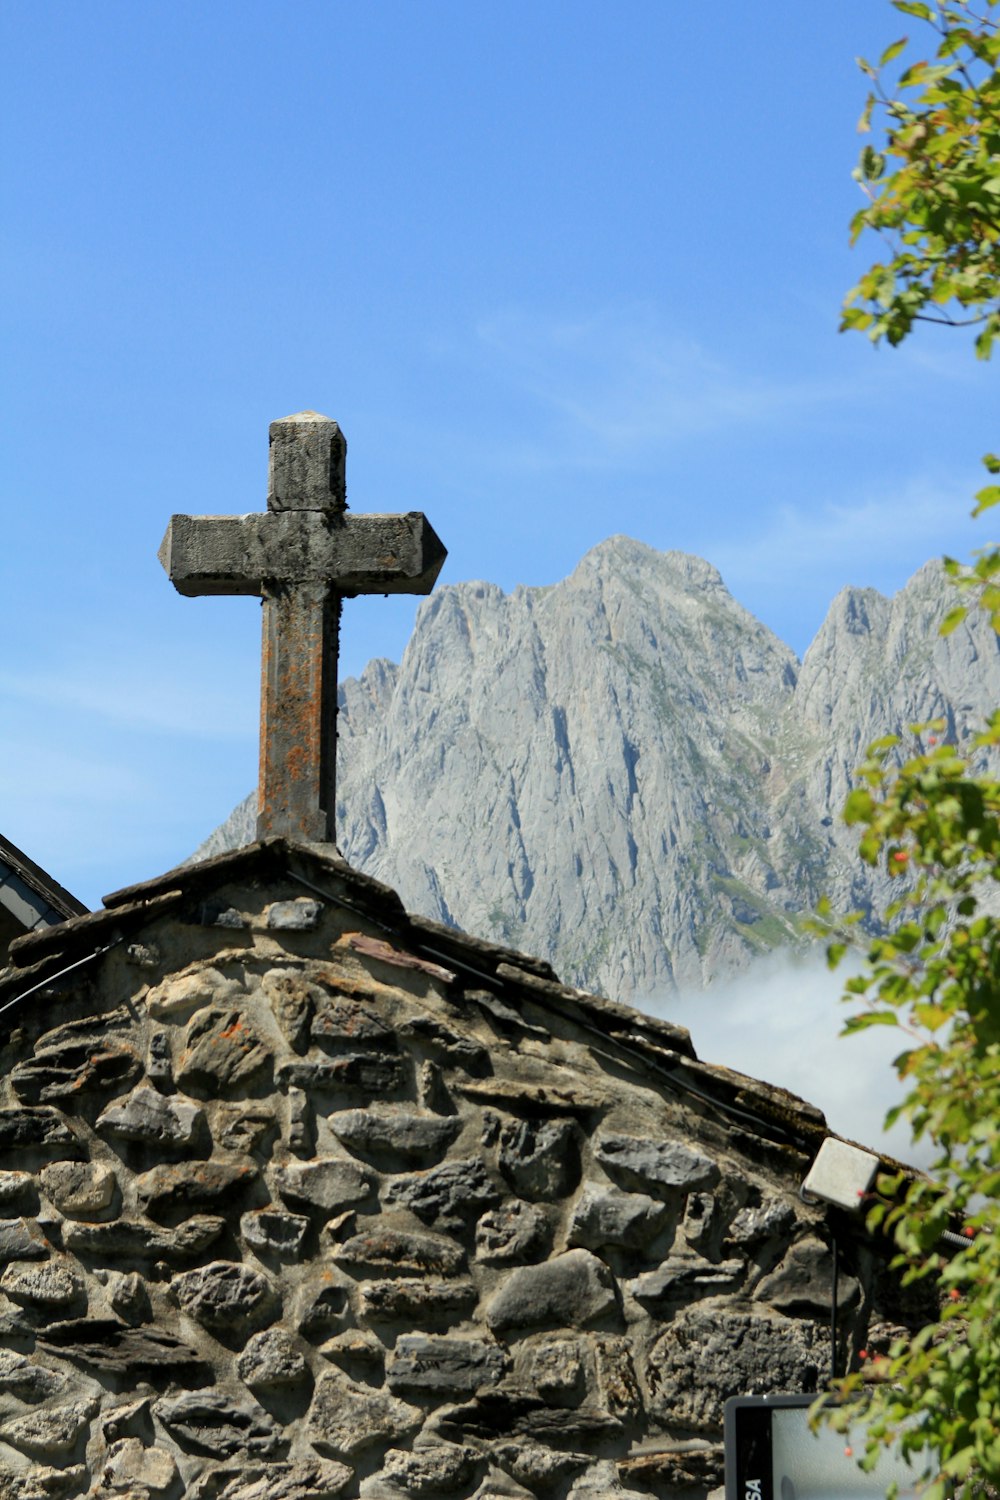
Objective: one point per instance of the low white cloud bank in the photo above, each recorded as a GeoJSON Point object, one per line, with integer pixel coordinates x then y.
{"type": "Point", "coordinates": [780, 1022]}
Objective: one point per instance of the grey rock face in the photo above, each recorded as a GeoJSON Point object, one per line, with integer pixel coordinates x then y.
{"type": "Point", "coordinates": [129, 1239]}
{"type": "Point", "coordinates": [660, 1167]}
{"type": "Point", "coordinates": [345, 1418]}
{"type": "Point", "coordinates": [512, 1235]}
{"type": "Point", "coordinates": [605, 1216]}
{"type": "Point", "coordinates": [78, 1189]}
{"type": "Point", "coordinates": [21, 1239]}
{"type": "Point", "coordinates": [228, 1299]}
{"type": "Point", "coordinates": [40, 1129]}
{"type": "Point", "coordinates": [270, 1232]}
{"type": "Point", "coordinates": [154, 1119]}
{"type": "Point", "coordinates": [214, 1423]}
{"type": "Point", "coordinates": [540, 1160]}
{"type": "Point", "coordinates": [270, 1360]}
{"type": "Point", "coordinates": [402, 1252]}
{"type": "Point", "coordinates": [803, 1283]}
{"type": "Point", "coordinates": [448, 1195]}
{"type": "Point", "coordinates": [27, 1381]}
{"type": "Point", "coordinates": [308, 1479]}
{"type": "Point", "coordinates": [222, 1054]}
{"type": "Point", "coordinates": [185, 1188]}
{"type": "Point", "coordinates": [418, 1140]}
{"type": "Point", "coordinates": [51, 1285]}
{"type": "Point", "coordinates": [51, 1431]}
{"type": "Point", "coordinates": [572, 1289]}
{"type": "Point", "coordinates": [660, 775]}
{"type": "Point", "coordinates": [453, 1366]}
{"type": "Point", "coordinates": [327, 1185]}
{"type": "Point", "coordinates": [705, 1357]}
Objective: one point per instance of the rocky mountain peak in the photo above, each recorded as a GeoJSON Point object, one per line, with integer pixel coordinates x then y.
{"type": "Point", "coordinates": [626, 772]}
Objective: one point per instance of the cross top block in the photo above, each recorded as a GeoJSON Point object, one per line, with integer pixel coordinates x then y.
{"type": "Point", "coordinates": [301, 556]}
{"type": "Point", "coordinates": [307, 464]}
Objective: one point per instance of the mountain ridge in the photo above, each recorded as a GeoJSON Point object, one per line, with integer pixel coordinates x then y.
{"type": "Point", "coordinates": [626, 772]}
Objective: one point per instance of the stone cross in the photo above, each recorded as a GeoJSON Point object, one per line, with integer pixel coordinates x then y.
{"type": "Point", "coordinates": [302, 556]}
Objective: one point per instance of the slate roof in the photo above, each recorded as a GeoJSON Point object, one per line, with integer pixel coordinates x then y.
{"type": "Point", "coordinates": [29, 898]}
{"type": "Point", "coordinates": [43, 962]}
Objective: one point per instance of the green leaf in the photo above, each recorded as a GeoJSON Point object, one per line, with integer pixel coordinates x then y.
{"type": "Point", "coordinates": [914, 8]}
{"type": "Point", "coordinates": [953, 619]}
{"type": "Point", "coordinates": [991, 463]}
{"type": "Point", "coordinates": [892, 51]}
{"type": "Point", "coordinates": [986, 498]}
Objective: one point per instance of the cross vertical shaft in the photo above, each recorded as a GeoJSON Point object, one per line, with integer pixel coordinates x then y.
{"type": "Point", "coordinates": [298, 713]}
{"type": "Point", "coordinates": [301, 557]}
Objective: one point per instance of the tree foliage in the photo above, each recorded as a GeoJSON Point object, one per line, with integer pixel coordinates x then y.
{"type": "Point", "coordinates": [932, 189]}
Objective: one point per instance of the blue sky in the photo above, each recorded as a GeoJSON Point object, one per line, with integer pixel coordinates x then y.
{"type": "Point", "coordinates": [559, 270]}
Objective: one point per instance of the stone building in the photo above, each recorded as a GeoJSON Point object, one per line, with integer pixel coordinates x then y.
{"type": "Point", "coordinates": [305, 1197]}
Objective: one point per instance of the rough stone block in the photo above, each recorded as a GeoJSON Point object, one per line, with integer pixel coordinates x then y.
{"type": "Point", "coordinates": [448, 1195]}
{"type": "Point", "coordinates": [181, 1189]}
{"type": "Point", "coordinates": [707, 1355]}
{"type": "Point", "coordinates": [128, 1296]}
{"type": "Point", "coordinates": [375, 1075]}
{"type": "Point", "coordinates": [108, 1346]}
{"type": "Point", "coordinates": [51, 1431]}
{"type": "Point", "coordinates": [130, 1239]}
{"type": "Point", "coordinates": [409, 1300]}
{"type": "Point", "coordinates": [298, 915]}
{"type": "Point", "coordinates": [663, 1168]}
{"type": "Point", "coordinates": [681, 1277]}
{"type": "Point", "coordinates": [268, 1231]}
{"type": "Point", "coordinates": [292, 998]}
{"type": "Point", "coordinates": [417, 1140]}
{"type": "Point", "coordinates": [22, 1239]}
{"type": "Point", "coordinates": [228, 1299]}
{"type": "Point", "coordinates": [99, 1064]}
{"type": "Point", "coordinates": [346, 1418]}
{"type": "Point", "coordinates": [606, 1216]}
{"type": "Point", "coordinates": [155, 1120]}
{"type": "Point", "coordinates": [573, 1290]}
{"type": "Point", "coordinates": [444, 1367]}
{"type": "Point", "coordinates": [451, 1047]}
{"type": "Point", "coordinates": [555, 1368]}
{"type": "Point", "coordinates": [271, 1360]}
{"type": "Point", "coordinates": [181, 994]}
{"type": "Point", "coordinates": [28, 1381]}
{"type": "Point", "coordinates": [616, 1379]}
{"type": "Point", "coordinates": [428, 1469]}
{"type": "Point", "coordinates": [400, 1251]}
{"type": "Point", "coordinates": [342, 1023]}
{"type": "Point", "coordinates": [803, 1283]}
{"type": "Point", "coordinates": [56, 1284]}
{"type": "Point", "coordinates": [43, 1130]}
{"type": "Point", "coordinates": [216, 1424]}
{"type": "Point", "coordinates": [327, 1184]}
{"type": "Point", "coordinates": [79, 1189]}
{"type": "Point", "coordinates": [222, 1054]}
{"type": "Point", "coordinates": [766, 1220]}
{"type": "Point", "coordinates": [306, 1479]}
{"type": "Point", "coordinates": [17, 1190]}
{"type": "Point", "coordinates": [514, 1234]}
{"type": "Point", "coordinates": [540, 1159]}
{"type": "Point", "coordinates": [138, 1472]}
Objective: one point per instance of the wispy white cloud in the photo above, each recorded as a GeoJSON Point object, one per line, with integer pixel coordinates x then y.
{"type": "Point", "coordinates": [147, 695]}
{"type": "Point", "coordinates": [917, 517]}
{"type": "Point", "coordinates": [780, 1022]}
{"type": "Point", "coordinates": [618, 384]}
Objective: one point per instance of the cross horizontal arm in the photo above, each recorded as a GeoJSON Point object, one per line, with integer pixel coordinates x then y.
{"type": "Point", "coordinates": [362, 554]}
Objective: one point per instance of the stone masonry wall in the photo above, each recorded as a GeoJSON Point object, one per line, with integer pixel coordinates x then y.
{"type": "Point", "coordinates": [286, 1212]}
